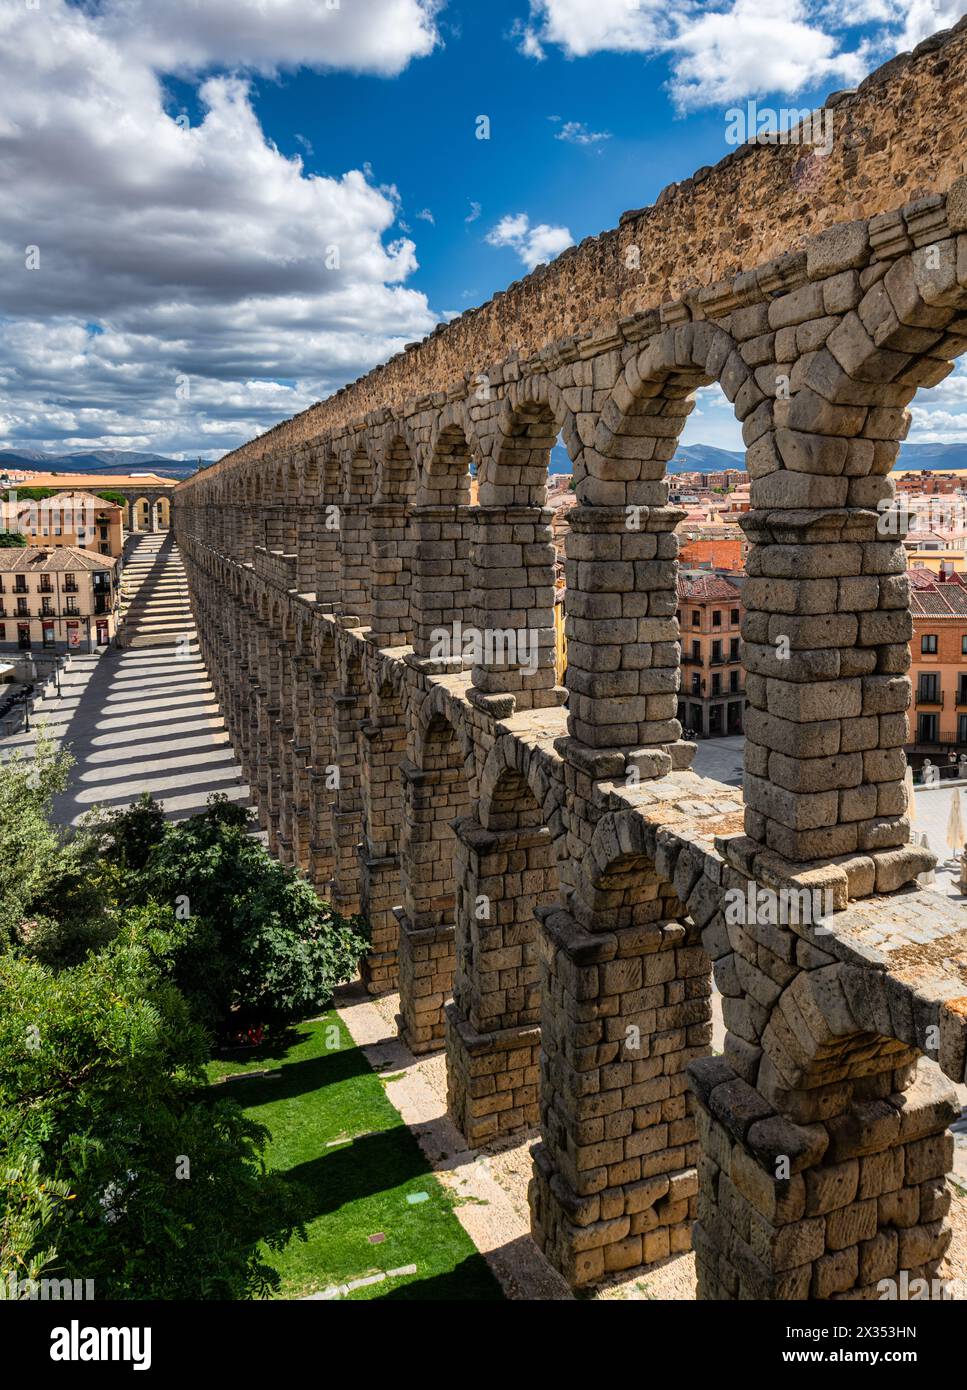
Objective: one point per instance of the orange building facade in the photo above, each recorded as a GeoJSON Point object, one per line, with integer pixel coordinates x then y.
{"type": "Point", "coordinates": [938, 650]}
{"type": "Point", "coordinates": [712, 698]}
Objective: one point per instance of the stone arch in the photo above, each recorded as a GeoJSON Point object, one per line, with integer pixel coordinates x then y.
{"type": "Point", "coordinates": [395, 459]}
{"type": "Point", "coordinates": [640, 423]}
{"type": "Point", "coordinates": [435, 711]}
{"type": "Point", "coordinates": [437, 791]}
{"type": "Point", "coordinates": [384, 748]}
{"type": "Point", "coordinates": [445, 479]}
{"type": "Point", "coordinates": [310, 475]}
{"type": "Point", "coordinates": [513, 783]}
{"type": "Point", "coordinates": [440, 537]}
{"type": "Point", "coordinates": [844, 1165]}
{"type": "Point", "coordinates": [395, 469]}
{"type": "Point", "coordinates": [141, 514]}
{"type": "Point", "coordinates": [627, 938]}
{"type": "Point", "coordinates": [506, 874]}
{"type": "Point", "coordinates": [533, 413]}
{"type": "Point", "coordinates": [512, 560]}
{"type": "Point", "coordinates": [356, 484]}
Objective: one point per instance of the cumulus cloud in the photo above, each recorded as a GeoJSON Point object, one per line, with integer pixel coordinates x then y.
{"type": "Point", "coordinates": [533, 245]}
{"type": "Point", "coordinates": [738, 48]}
{"type": "Point", "coordinates": [377, 36]}
{"type": "Point", "coordinates": [170, 253]}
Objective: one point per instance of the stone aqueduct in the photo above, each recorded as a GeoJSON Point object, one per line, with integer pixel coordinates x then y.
{"type": "Point", "coordinates": [547, 883]}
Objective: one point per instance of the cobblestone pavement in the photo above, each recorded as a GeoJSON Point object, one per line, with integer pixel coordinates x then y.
{"type": "Point", "coordinates": [143, 717]}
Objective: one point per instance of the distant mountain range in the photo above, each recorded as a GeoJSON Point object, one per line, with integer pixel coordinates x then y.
{"type": "Point", "coordinates": [104, 461]}
{"type": "Point", "coordinates": [706, 458]}
{"type": "Point", "coordinates": [690, 458]}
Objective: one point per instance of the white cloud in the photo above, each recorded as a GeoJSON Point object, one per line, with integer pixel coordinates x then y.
{"type": "Point", "coordinates": [475, 211]}
{"type": "Point", "coordinates": [425, 215]}
{"type": "Point", "coordinates": [750, 49]}
{"type": "Point", "coordinates": [739, 48]}
{"type": "Point", "coordinates": [533, 245]}
{"type": "Point", "coordinates": [378, 36]}
{"type": "Point", "coordinates": [577, 133]}
{"type": "Point", "coordinates": [201, 252]}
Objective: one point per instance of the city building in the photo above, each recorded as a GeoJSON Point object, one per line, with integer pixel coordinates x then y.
{"type": "Point", "coordinates": [929, 482]}
{"type": "Point", "coordinates": [77, 520]}
{"type": "Point", "coordinates": [938, 650]}
{"type": "Point", "coordinates": [57, 599]}
{"type": "Point", "coordinates": [147, 495]}
{"type": "Point", "coordinates": [712, 696]}
{"type": "Point", "coordinates": [711, 545]}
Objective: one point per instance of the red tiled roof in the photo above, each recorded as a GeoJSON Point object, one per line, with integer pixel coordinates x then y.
{"type": "Point", "coordinates": [698, 588]}
{"type": "Point", "coordinates": [933, 597]}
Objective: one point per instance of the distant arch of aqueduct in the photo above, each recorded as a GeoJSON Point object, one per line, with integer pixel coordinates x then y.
{"type": "Point", "coordinates": [544, 876]}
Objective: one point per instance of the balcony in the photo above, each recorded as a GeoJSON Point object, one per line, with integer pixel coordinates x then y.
{"type": "Point", "coordinates": [932, 697]}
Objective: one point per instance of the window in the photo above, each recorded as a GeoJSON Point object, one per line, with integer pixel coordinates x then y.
{"type": "Point", "coordinates": [928, 643]}
{"type": "Point", "coordinates": [734, 617]}
{"type": "Point", "coordinates": [733, 682]}
{"type": "Point", "coordinates": [928, 690]}
{"type": "Point", "coordinates": [22, 609]}
{"type": "Point", "coordinates": [696, 683]}
{"type": "Point", "coordinates": [716, 617]}
{"type": "Point", "coordinates": [716, 684]}
{"type": "Point", "coordinates": [716, 653]}
{"type": "Point", "coordinates": [734, 649]}
{"type": "Point", "coordinates": [961, 719]}
{"type": "Point", "coordinates": [696, 618]}
{"type": "Point", "coordinates": [927, 728]}
{"type": "Point", "coordinates": [963, 646]}
{"type": "Point", "coordinates": [20, 584]}
{"type": "Point", "coordinates": [105, 550]}
{"type": "Point", "coordinates": [696, 651]}
{"type": "Point", "coordinates": [103, 533]}
{"type": "Point", "coordinates": [3, 632]}
{"type": "Point", "coordinates": [962, 690]}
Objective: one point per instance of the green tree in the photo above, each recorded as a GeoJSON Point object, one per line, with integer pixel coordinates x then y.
{"type": "Point", "coordinates": [28, 1202]}
{"type": "Point", "coordinates": [100, 1073]}
{"type": "Point", "coordinates": [260, 946]}
{"type": "Point", "coordinates": [12, 540]}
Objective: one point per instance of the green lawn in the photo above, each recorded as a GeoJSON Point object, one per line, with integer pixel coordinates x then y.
{"type": "Point", "coordinates": [350, 1191]}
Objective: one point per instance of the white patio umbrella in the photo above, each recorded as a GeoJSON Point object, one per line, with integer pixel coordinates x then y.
{"type": "Point", "coordinates": [955, 827]}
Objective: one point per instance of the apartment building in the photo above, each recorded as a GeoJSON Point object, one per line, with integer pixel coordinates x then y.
{"type": "Point", "coordinates": [57, 598]}
{"type": "Point", "coordinates": [712, 697]}
{"type": "Point", "coordinates": [938, 652]}
{"type": "Point", "coordinates": [77, 520]}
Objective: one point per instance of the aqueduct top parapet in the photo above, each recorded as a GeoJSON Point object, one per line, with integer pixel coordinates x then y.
{"type": "Point", "coordinates": [900, 136]}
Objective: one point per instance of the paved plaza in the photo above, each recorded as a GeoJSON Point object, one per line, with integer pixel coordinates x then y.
{"type": "Point", "coordinates": [143, 717]}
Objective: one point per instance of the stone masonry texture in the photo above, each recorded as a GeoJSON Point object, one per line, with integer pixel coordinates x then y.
{"type": "Point", "coordinates": [546, 881]}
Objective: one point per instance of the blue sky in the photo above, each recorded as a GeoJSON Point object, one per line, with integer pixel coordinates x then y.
{"type": "Point", "coordinates": [185, 170]}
